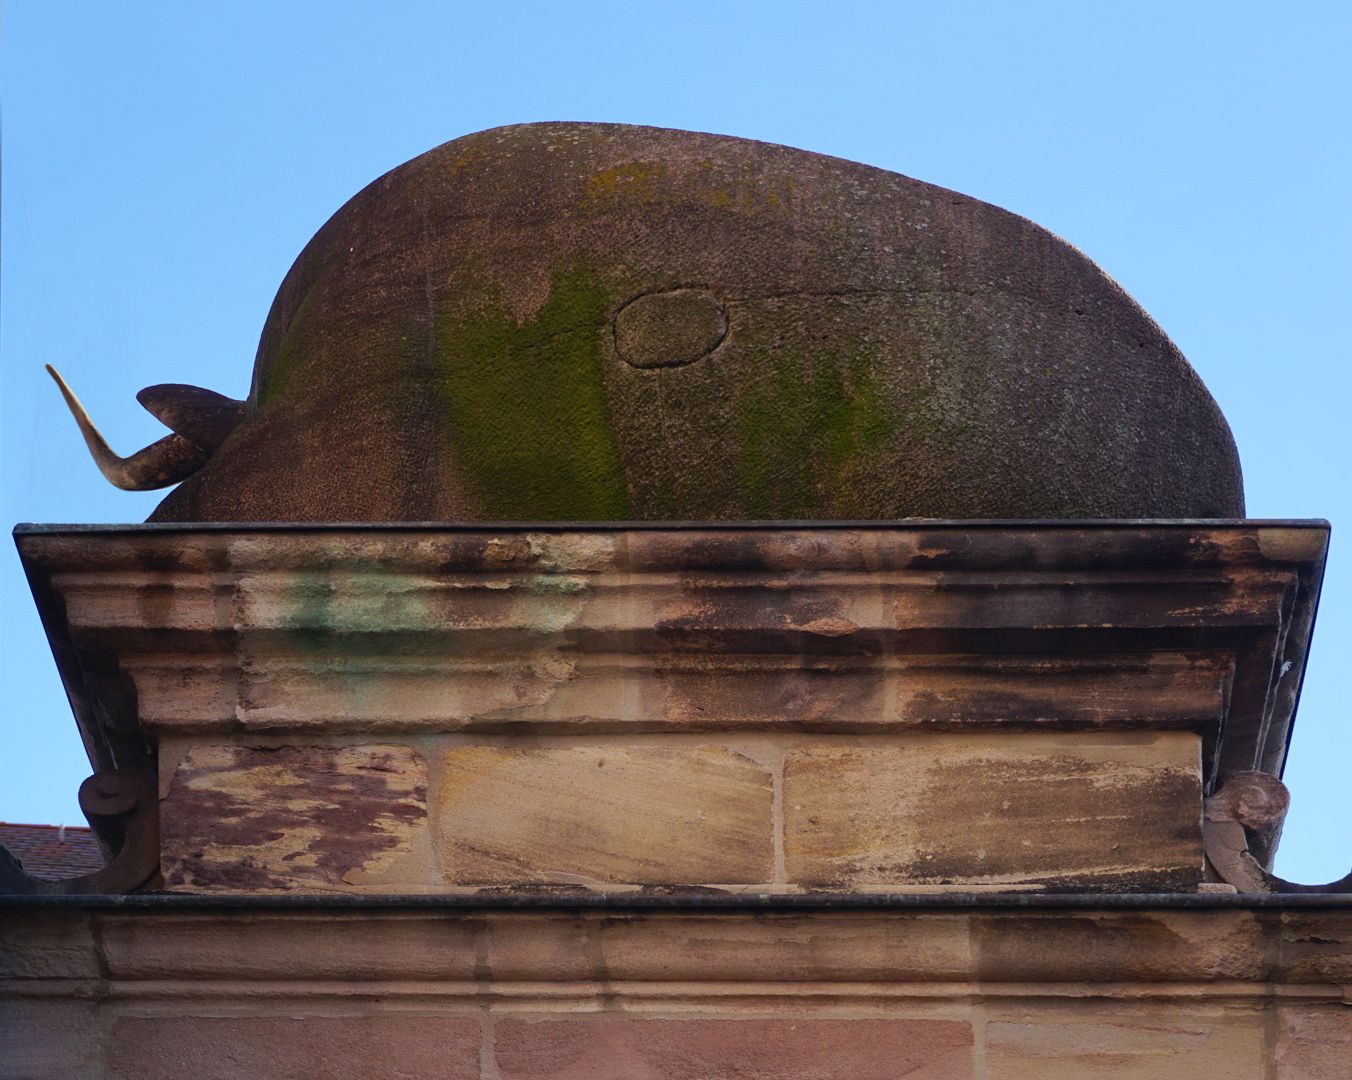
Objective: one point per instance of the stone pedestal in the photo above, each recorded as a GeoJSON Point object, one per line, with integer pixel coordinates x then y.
{"type": "Point", "coordinates": [792, 801]}
{"type": "Point", "coordinates": [766, 709]}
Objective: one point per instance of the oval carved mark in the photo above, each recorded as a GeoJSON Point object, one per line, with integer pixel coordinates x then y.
{"type": "Point", "coordinates": [668, 329]}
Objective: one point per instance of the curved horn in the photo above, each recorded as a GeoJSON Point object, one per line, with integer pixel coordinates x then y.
{"type": "Point", "coordinates": [160, 464]}
{"type": "Point", "coordinates": [203, 417]}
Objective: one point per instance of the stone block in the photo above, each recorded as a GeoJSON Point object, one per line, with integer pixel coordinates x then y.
{"type": "Point", "coordinates": [1107, 946]}
{"type": "Point", "coordinates": [785, 948]}
{"type": "Point", "coordinates": [364, 1047]}
{"type": "Point", "coordinates": [1073, 810]}
{"type": "Point", "coordinates": [746, 1048]}
{"type": "Point", "coordinates": [1316, 946]}
{"type": "Point", "coordinates": [246, 945]}
{"type": "Point", "coordinates": [47, 945]}
{"type": "Point", "coordinates": [1314, 1042]}
{"type": "Point", "coordinates": [604, 814]}
{"type": "Point", "coordinates": [296, 818]}
{"type": "Point", "coordinates": [49, 1039]}
{"type": "Point", "coordinates": [1075, 1042]}
{"type": "Point", "coordinates": [1162, 689]}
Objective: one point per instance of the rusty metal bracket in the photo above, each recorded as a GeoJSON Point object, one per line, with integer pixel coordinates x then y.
{"type": "Point", "coordinates": [123, 808]}
{"type": "Point", "coordinates": [1246, 813]}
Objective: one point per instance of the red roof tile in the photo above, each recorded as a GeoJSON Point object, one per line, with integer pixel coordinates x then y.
{"type": "Point", "coordinates": [53, 851]}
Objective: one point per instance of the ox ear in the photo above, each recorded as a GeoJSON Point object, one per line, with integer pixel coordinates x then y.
{"type": "Point", "coordinates": [203, 417]}
{"type": "Point", "coordinates": [160, 464]}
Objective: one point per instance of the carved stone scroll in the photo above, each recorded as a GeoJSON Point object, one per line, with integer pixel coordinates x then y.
{"type": "Point", "coordinates": [1248, 811]}
{"type": "Point", "coordinates": [122, 807]}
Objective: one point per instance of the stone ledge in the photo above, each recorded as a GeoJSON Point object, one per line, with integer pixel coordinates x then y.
{"type": "Point", "coordinates": [1232, 949]}
{"type": "Point", "coordinates": [145, 987]}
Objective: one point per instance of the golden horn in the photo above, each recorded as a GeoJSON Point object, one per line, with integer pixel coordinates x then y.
{"type": "Point", "coordinates": [160, 464]}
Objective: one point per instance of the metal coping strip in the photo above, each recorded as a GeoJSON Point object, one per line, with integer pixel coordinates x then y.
{"type": "Point", "coordinates": [39, 529]}
{"type": "Point", "coordinates": [701, 903]}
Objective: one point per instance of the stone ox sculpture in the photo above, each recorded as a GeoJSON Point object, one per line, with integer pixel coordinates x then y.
{"type": "Point", "coordinates": [589, 321]}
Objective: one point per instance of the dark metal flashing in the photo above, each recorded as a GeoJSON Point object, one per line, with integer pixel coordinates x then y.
{"type": "Point", "coordinates": [698, 903]}
{"type": "Point", "coordinates": [56, 529]}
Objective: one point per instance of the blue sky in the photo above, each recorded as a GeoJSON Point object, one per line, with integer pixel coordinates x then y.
{"type": "Point", "coordinates": [165, 162]}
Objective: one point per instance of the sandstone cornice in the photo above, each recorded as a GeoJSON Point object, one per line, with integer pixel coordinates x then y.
{"type": "Point", "coordinates": [834, 627]}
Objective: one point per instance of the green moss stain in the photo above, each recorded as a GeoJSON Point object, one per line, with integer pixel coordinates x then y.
{"type": "Point", "coordinates": [346, 611]}
{"type": "Point", "coordinates": [525, 406]}
{"type": "Point", "coordinates": [641, 180]}
{"type": "Point", "coordinates": [280, 378]}
{"type": "Point", "coordinates": [806, 432]}
{"type": "Point", "coordinates": [473, 155]}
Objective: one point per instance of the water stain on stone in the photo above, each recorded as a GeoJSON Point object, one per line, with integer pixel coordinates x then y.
{"type": "Point", "coordinates": [282, 817]}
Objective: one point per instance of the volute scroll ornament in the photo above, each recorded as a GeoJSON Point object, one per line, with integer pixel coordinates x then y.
{"type": "Point", "coordinates": [1245, 812]}
{"type": "Point", "coordinates": [122, 806]}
